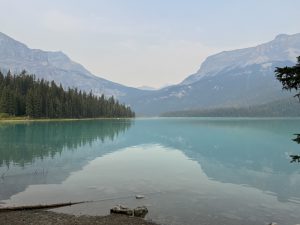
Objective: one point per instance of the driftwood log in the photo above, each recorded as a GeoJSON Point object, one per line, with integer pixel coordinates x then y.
{"type": "Point", "coordinates": [33, 207]}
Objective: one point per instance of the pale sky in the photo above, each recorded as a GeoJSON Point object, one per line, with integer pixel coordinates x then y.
{"type": "Point", "coordinates": [146, 42]}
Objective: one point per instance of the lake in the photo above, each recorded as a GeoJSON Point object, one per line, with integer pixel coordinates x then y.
{"type": "Point", "coordinates": [191, 170]}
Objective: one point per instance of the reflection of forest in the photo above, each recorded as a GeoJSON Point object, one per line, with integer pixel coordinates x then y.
{"type": "Point", "coordinates": [22, 143]}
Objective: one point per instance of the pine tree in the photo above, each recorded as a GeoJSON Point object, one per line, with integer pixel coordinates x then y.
{"type": "Point", "coordinates": [23, 95]}
{"type": "Point", "coordinates": [30, 103]}
{"type": "Point", "coordinates": [289, 76]}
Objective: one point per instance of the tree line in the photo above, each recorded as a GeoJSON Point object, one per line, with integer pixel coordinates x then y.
{"type": "Point", "coordinates": [23, 95]}
{"type": "Point", "coordinates": [279, 108]}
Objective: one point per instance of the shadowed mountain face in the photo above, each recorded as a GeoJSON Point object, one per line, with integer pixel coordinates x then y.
{"type": "Point", "coordinates": [240, 77]}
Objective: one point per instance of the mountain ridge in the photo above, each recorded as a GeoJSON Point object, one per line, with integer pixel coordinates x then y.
{"type": "Point", "coordinates": [262, 53]}
{"type": "Point", "coordinates": [55, 65]}
{"type": "Point", "coordinates": [245, 78]}
{"type": "Point", "coordinates": [239, 77]}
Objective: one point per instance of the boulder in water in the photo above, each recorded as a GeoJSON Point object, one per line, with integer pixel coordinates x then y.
{"type": "Point", "coordinates": [139, 196]}
{"type": "Point", "coordinates": [119, 209]}
{"type": "Point", "coordinates": [140, 211]}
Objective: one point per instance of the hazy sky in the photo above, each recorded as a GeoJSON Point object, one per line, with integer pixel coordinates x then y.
{"type": "Point", "coordinates": [146, 42]}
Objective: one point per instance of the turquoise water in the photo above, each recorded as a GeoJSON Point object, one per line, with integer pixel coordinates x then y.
{"type": "Point", "coordinates": [191, 170]}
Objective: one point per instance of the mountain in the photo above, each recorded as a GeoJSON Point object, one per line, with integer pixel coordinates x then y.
{"type": "Point", "coordinates": [283, 48]}
{"type": "Point", "coordinates": [236, 78]}
{"type": "Point", "coordinates": [147, 88]}
{"type": "Point", "coordinates": [56, 66]}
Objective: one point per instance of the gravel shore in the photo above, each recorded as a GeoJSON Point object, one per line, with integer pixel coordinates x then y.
{"type": "Point", "coordinates": [40, 217]}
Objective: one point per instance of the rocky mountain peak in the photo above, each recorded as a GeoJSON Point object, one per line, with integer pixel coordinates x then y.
{"type": "Point", "coordinates": [284, 47]}
{"type": "Point", "coordinates": [283, 37]}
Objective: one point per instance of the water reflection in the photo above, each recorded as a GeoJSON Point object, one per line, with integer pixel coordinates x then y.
{"type": "Point", "coordinates": [232, 167]}
{"type": "Point", "coordinates": [176, 189]}
{"type": "Point", "coordinates": [295, 158]}
{"type": "Point", "coordinates": [46, 153]}
{"type": "Point", "coordinates": [248, 152]}
{"type": "Point", "coordinates": [22, 143]}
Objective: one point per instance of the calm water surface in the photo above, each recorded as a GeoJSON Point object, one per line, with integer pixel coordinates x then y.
{"type": "Point", "coordinates": [192, 171]}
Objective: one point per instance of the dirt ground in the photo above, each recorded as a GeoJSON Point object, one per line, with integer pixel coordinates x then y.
{"type": "Point", "coordinates": [40, 217]}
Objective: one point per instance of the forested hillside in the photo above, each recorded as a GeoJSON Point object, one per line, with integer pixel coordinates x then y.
{"type": "Point", "coordinates": [288, 107]}
{"type": "Point", "coordinates": [23, 95]}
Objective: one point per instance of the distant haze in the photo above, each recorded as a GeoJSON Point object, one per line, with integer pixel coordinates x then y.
{"type": "Point", "coordinates": [148, 42]}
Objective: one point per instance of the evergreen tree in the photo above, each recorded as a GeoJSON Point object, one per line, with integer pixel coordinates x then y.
{"type": "Point", "coordinates": [23, 95]}
{"type": "Point", "coordinates": [290, 79]}
{"type": "Point", "coordinates": [3, 100]}
{"type": "Point", "coordinates": [289, 76]}
{"type": "Point", "coordinates": [30, 103]}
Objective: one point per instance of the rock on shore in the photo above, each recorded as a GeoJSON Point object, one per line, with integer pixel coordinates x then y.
{"type": "Point", "coordinates": [140, 211]}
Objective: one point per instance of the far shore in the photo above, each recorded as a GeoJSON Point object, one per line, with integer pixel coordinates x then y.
{"type": "Point", "coordinates": [26, 119]}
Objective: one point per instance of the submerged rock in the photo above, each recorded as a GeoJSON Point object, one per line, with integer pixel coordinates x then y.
{"type": "Point", "coordinates": [139, 196]}
{"type": "Point", "coordinates": [140, 211]}
{"type": "Point", "coordinates": [119, 209]}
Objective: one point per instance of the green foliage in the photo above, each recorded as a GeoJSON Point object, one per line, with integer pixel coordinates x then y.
{"type": "Point", "coordinates": [290, 79]}
{"type": "Point", "coordinates": [289, 76]}
{"type": "Point", "coordinates": [4, 115]}
{"type": "Point", "coordinates": [23, 95]}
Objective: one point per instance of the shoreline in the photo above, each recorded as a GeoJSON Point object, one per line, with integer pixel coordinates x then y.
{"type": "Point", "coordinates": [25, 119]}
{"type": "Point", "coordinates": [43, 217]}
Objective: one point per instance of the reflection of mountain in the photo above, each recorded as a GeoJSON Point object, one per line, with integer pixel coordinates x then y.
{"type": "Point", "coordinates": [39, 153]}
{"type": "Point", "coordinates": [248, 152]}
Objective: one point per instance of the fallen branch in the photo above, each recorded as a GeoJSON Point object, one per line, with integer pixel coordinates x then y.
{"type": "Point", "coordinates": [33, 207]}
